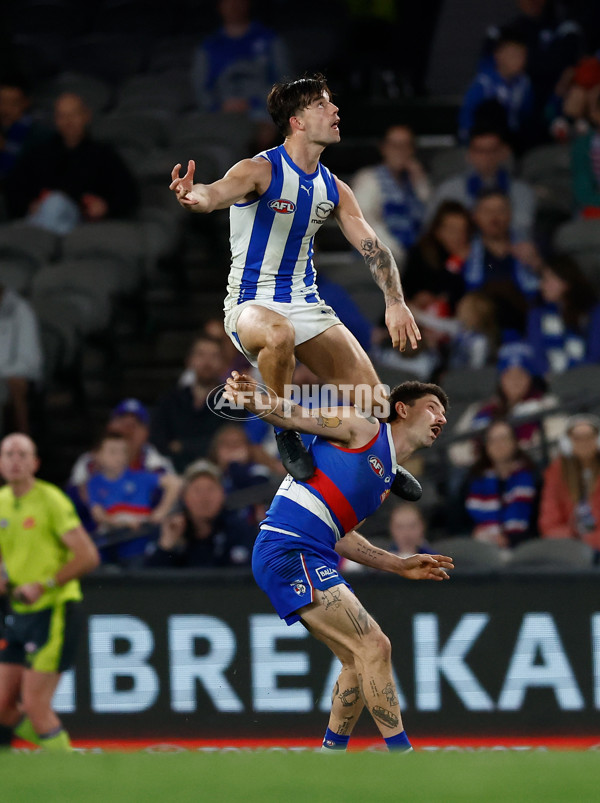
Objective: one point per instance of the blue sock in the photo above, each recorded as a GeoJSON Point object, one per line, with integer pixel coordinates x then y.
{"type": "Point", "coordinates": [333, 741]}
{"type": "Point", "coordinates": [398, 743]}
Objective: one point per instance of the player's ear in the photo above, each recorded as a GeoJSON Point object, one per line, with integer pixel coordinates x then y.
{"type": "Point", "coordinates": [296, 123]}
{"type": "Point", "coordinates": [401, 409]}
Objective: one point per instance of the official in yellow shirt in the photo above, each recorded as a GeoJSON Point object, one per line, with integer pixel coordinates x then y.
{"type": "Point", "coordinates": [44, 550]}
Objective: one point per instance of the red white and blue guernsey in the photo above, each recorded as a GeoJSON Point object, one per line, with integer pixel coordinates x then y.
{"type": "Point", "coordinates": [294, 553]}
{"type": "Point", "coordinates": [272, 236]}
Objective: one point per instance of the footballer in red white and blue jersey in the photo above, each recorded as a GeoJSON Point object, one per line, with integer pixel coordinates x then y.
{"type": "Point", "coordinates": [294, 553]}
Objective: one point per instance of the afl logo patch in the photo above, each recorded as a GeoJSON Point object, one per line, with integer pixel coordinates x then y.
{"type": "Point", "coordinates": [282, 206]}
{"type": "Point", "coordinates": [376, 465]}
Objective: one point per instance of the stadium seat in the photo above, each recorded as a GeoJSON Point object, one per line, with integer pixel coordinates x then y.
{"type": "Point", "coordinates": [94, 91]}
{"type": "Point", "coordinates": [168, 91]}
{"type": "Point", "coordinates": [471, 555]}
{"type": "Point", "coordinates": [548, 169]}
{"type": "Point", "coordinates": [86, 303]}
{"type": "Point", "coordinates": [30, 242]}
{"type": "Point", "coordinates": [579, 385]}
{"type": "Point", "coordinates": [119, 241]}
{"type": "Point", "coordinates": [470, 384]}
{"type": "Point", "coordinates": [550, 553]}
{"type": "Point", "coordinates": [16, 273]}
{"type": "Point", "coordinates": [140, 129]}
{"type": "Point", "coordinates": [173, 53]}
{"type": "Point", "coordinates": [233, 131]}
{"type": "Point", "coordinates": [581, 239]}
{"type": "Point", "coordinates": [446, 163]}
{"type": "Point", "coordinates": [112, 57]}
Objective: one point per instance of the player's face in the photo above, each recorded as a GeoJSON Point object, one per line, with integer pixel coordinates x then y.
{"type": "Point", "coordinates": [320, 120]}
{"type": "Point", "coordinates": [426, 418]}
{"type": "Point", "coordinates": [18, 458]}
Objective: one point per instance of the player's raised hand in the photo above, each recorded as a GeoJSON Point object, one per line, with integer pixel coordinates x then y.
{"type": "Point", "coordinates": [427, 567]}
{"type": "Point", "coordinates": [183, 186]}
{"type": "Point", "coordinates": [239, 387]}
{"type": "Point", "coordinates": [402, 326]}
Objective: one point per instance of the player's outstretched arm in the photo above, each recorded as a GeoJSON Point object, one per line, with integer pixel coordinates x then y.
{"type": "Point", "coordinates": [342, 424]}
{"type": "Point", "coordinates": [245, 178]}
{"type": "Point", "coordinates": [398, 317]}
{"type": "Point", "coordinates": [356, 547]}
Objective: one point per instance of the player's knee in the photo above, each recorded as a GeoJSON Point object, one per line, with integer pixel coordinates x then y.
{"type": "Point", "coordinates": [280, 338]}
{"type": "Point", "coordinates": [379, 647]}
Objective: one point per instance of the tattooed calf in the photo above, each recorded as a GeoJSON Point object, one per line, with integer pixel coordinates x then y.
{"type": "Point", "coordinates": [384, 716]}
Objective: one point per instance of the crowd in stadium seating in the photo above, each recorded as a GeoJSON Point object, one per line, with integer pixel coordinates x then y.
{"type": "Point", "coordinates": [497, 237]}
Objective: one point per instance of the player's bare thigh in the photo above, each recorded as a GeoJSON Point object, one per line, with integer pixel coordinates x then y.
{"type": "Point", "coordinates": [258, 327]}
{"type": "Point", "coordinates": [337, 618]}
{"type": "Point", "coordinates": [336, 356]}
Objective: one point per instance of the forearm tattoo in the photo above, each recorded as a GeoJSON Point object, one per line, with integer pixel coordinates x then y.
{"type": "Point", "coordinates": [383, 269]}
{"type": "Point", "coordinates": [331, 422]}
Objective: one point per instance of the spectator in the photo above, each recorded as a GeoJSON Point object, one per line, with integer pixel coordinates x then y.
{"type": "Point", "coordinates": [130, 419]}
{"type": "Point", "coordinates": [564, 329]}
{"type": "Point", "coordinates": [503, 82]}
{"type": "Point", "coordinates": [570, 502]}
{"type": "Point", "coordinates": [126, 505]}
{"type": "Point", "coordinates": [520, 393]}
{"type": "Point", "coordinates": [502, 490]}
{"type": "Point", "coordinates": [233, 359]}
{"type": "Point", "coordinates": [235, 67]}
{"type": "Point", "coordinates": [71, 177]}
{"type": "Point", "coordinates": [570, 111]}
{"type": "Point", "coordinates": [184, 423]}
{"type": "Point", "coordinates": [200, 532]}
{"type": "Point", "coordinates": [505, 271]}
{"type": "Point", "coordinates": [585, 161]}
{"type": "Point", "coordinates": [21, 358]}
{"type": "Point", "coordinates": [18, 130]}
{"type": "Point", "coordinates": [433, 275]}
{"type": "Point", "coordinates": [472, 335]}
{"type": "Point", "coordinates": [488, 161]}
{"type": "Point", "coordinates": [393, 194]}
{"type": "Point", "coordinates": [407, 528]}
{"type": "Point", "coordinates": [554, 44]}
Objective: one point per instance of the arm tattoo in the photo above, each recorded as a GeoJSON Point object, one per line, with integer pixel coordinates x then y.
{"type": "Point", "coordinates": [331, 422]}
{"type": "Point", "coordinates": [383, 269]}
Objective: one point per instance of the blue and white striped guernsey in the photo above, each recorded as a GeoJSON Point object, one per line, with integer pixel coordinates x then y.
{"type": "Point", "coordinates": [272, 237]}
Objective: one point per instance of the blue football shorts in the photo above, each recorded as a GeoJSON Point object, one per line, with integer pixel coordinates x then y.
{"type": "Point", "coordinates": [289, 573]}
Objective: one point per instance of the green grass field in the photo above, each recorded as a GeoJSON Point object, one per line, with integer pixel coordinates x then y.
{"type": "Point", "coordinates": [485, 777]}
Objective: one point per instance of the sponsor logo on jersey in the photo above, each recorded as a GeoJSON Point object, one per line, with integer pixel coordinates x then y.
{"type": "Point", "coordinates": [325, 572]}
{"type": "Point", "coordinates": [28, 523]}
{"type": "Point", "coordinates": [322, 212]}
{"type": "Point", "coordinates": [3, 524]}
{"type": "Point", "coordinates": [30, 647]}
{"type": "Point", "coordinates": [376, 465]}
{"type": "Point", "coordinates": [299, 587]}
{"type": "Point", "coordinates": [384, 495]}
{"type": "Point", "coordinates": [282, 206]}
